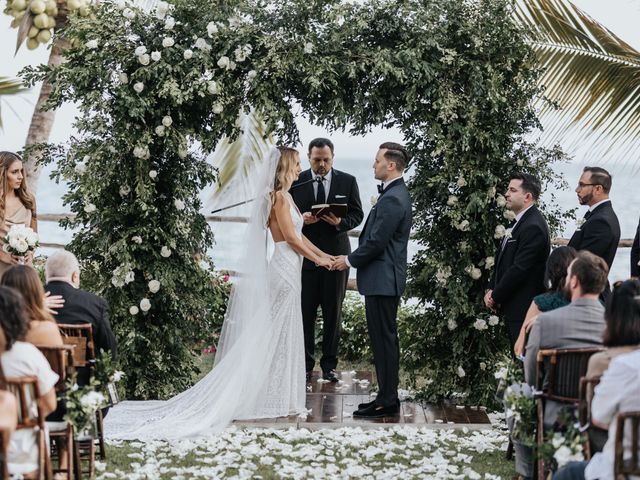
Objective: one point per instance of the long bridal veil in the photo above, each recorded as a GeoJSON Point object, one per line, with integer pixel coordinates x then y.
{"type": "Point", "coordinates": [231, 389]}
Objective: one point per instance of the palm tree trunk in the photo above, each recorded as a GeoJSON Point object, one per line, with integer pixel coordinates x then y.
{"type": "Point", "coordinates": [42, 120]}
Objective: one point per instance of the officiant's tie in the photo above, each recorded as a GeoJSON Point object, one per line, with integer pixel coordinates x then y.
{"type": "Point", "coordinates": [321, 196]}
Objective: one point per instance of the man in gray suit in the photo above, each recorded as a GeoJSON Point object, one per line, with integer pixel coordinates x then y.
{"type": "Point", "coordinates": [579, 324]}
{"type": "Point", "coordinates": [381, 260]}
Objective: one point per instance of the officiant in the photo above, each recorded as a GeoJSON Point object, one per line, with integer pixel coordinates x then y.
{"type": "Point", "coordinates": [322, 184]}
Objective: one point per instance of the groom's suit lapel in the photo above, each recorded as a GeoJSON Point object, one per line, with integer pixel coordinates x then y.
{"type": "Point", "coordinates": [397, 183]}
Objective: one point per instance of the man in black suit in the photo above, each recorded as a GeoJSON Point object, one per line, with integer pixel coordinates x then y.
{"type": "Point", "coordinates": [521, 255]}
{"type": "Point", "coordinates": [321, 287]}
{"type": "Point", "coordinates": [62, 272]}
{"type": "Point", "coordinates": [599, 232]}
{"type": "Point", "coordinates": [635, 254]}
{"type": "Point", "coordinates": [381, 260]}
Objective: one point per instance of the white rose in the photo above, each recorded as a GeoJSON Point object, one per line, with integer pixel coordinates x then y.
{"type": "Point", "coordinates": [144, 59]}
{"type": "Point", "coordinates": [32, 238]}
{"type": "Point", "coordinates": [138, 87]}
{"type": "Point", "coordinates": [167, 121]}
{"type": "Point", "coordinates": [160, 130]}
{"type": "Point", "coordinates": [117, 376]}
{"type": "Point", "coordinates": [156, 56]}
{"type": "Point", "coordinates": [562, 456]}
{"type": "Point", "coordinates": [212, 29]}
{"type": "Point", "coordinates": [23, 246]}
{"type": "Point", "coordinates": [162, 8]}
{"type": "Point", "coordinates": [145, 305]}
{"type": "Point", "coordinates": [128, 14]}
{"type": "Point", "coordinates": [141, 151]}
{"type": "Point", "coordinates": [519, 162]}
{"type": "Point", "coordinates": [136, 239]}
{"type": "Point", "coordinates": [480, 324]}
{"type": "Point", "coordinates": [557, 441]}
{"type": "Point", "coordinates": [123, 78]}
{"type": "Point", "coordinates": [120, 4]}
{"type": "Point", "coordinates": [461, 182]}
{"type": "Point", "coordinates": [461, 373]}
{"type": "Point", "coordinates": [153, 174]}
{"type": "Point", "coordinates": [129, 277]}
{"type": "Point", "coordinates": [451, 324]}
{"type": "Point", "coordinates": [141, 50]}
{"type": "Point", "coordinates": [463, 226]}
{"type": "Point", "coordinates": [494, 320]}
{"type": "Point", "coordinates": [483, 366]}
{"type": "Point", "coordinates": [308, 47]}
{"type": "Point", "coordinates": [169, 23]}
{"type": "Point", "coordinates": [473, 272]}
{"type": "Point", "coordinates": [165, 252]}
{"type": "Point", "coordinates": [501, 374]}
{"type": "Point", "coordinates": [124, 190]}
{"type": "Point", "coordinates": [501, 201]}
{"type": "Point", "coordinates": [92, 44]}
{"type": "Point", "coordinates": [89, 208]}
{"type": "Point", "coordinates": [509, 215]}
{"type": "Point", "coordinates": [212, 87]}
{"type": "Point", "coordinates": [179, 204]}
{"type": "Point", "coordinates": [154, 286]}
{"type": "Point", "coordinates": [217, 108]}
{"type": "Point", "coordinates": [252, 74]}
{"type": "Point", "coordinates": [201, 44]}
{"type": "Point", "coordinates": [452, 200]}
{"type": "Point", "coordinates": [223, 62]}
{"type": "Point", "coordinates": [168, 42]}
{"type": "Point", "coordinates": [187, 54]}
{"type": "Point", "coordinates": [182, 152]}
{"type": "Point", "coordinates": [80, 168]}
{"type": "Point", "coordinates": [499, 232]}
{"type": "Point", "coordinates": [489, 262]}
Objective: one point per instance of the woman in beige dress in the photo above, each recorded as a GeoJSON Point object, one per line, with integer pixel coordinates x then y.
{"type": "Point", "coordinates": [17, 205]}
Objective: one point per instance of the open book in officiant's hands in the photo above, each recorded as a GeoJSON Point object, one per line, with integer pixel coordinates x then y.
{"type": "Point", "coordinates": [338, 209]}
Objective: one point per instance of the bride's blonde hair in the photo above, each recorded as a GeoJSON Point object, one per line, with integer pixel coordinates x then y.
{"type": "Point", "coordinates": [286, 172]}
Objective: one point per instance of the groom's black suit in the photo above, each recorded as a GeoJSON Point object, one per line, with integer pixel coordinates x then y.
{"type": "Point", "coordinates": [321, 287]}
{"type": "Point", "coordinates": [381, 260]}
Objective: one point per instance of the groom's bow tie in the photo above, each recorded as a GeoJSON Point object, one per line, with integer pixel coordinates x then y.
{"type": "Point", "coordinates": [380, 187]}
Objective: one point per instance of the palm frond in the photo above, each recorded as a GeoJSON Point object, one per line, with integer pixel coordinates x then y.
{"type": "Point", "coordinates": [9, 86]}
{"type": "Point", "coordinates": [237, 161]}
{"type": "Point", "coordinates": [591, 74]}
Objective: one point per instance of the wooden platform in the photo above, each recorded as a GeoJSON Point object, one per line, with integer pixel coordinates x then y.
{"type": "Point", "coordinates": [332, 406]}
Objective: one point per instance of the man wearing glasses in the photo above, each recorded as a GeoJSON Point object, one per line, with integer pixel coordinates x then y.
{"type": "Point", "coordinates": [600, 231]}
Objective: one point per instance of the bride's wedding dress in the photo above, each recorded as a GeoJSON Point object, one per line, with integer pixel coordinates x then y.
{"type": "Point", "coordinates": [259, 366]}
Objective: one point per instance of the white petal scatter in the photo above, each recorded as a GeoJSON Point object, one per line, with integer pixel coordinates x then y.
{"type": "Point", "coordinates": [348, 452]}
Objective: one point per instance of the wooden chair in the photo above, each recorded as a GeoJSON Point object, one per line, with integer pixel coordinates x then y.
{"type": "Point", "coordinates": [558, 379]}
{"type": "Point", "coordinates": [81, 335]}
{"type": "Point", "coordinates": [594, 437]}
{"type": "Point", "coordinates": [61, 361]}
{"type": "Point", "coordinates": [30, 416]}
{"type": "Point", "coordinates": [624, 468]}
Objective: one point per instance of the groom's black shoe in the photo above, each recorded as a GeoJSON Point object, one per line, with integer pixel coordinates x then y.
{"type": "Point", "coordinates": [368, 404]}
{"type": "Point", "coordinates": [331, 376]}
{"type": "Point", "coordinates": [377, 411]}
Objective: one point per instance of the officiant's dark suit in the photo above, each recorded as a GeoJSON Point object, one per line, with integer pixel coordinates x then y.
{"type": "Point", "coordinates": [635, 254]}
{"type": "Point", "coordinates": [519, 272]}
{"type": "Point", "coordinates": [600, 232]}
{"type": "Point", "coordinates": [321, 287]}
{"type": "Point", "coordinates": [381, 260]}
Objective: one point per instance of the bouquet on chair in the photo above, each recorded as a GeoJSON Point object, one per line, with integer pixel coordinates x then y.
{"type": "Point", "coordinates": [20, 240]}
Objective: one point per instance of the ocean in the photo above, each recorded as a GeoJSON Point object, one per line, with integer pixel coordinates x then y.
{"type": "Point", "coordinates": [227, 250]}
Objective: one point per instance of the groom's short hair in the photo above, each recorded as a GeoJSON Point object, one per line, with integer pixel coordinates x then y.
{"type": "Point", "coordinates": [396, 153]}
{"type": "Point", "coordinates": [321, 143]}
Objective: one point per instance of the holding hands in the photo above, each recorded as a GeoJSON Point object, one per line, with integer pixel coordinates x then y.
{"type": "Point", "coordinates": [333, 263]}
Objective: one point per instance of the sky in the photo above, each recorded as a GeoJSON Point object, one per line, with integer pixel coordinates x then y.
{"type": "Point", "coordinates": [620, 16]}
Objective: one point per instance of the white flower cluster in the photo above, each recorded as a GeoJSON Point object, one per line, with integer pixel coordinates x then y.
{"type": "Point", "coordinates": [122, 276]}
{"type": "Point", "coordinates": [442, 274]}
{"type": "Point", "coordinates": [499, 232]}
{"type": "Point", "coordinates": [452, 200]}
{"type": "Point", "coordinates": [509, 215]}
{"type": "Point", "coordinates": [92, 401]}
{"type": "Point", "coordinates": [20, 240]}
{"type": "Point", "coordinates": [489, 262]}
{"type": "Point", "coordinates": [463, 226]}
{"type": "Point", "coordinates": [142, 152]}
{"type": "Point", "coordinates": [241, 53]}
{"type": "Point", "coordinates": [474, 272]}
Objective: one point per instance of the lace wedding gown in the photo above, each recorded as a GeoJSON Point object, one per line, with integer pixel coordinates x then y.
{"type": "Point", "coordinates": [260, 375]}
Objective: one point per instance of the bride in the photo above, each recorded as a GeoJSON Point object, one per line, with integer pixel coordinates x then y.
{"type": "Point", "coordinates": [259, 367]}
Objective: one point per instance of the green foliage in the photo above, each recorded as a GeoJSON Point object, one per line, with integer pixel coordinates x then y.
{"type": "Point", "coordinates": [455, 77]}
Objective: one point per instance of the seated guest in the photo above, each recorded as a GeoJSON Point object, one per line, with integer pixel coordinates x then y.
{"type": "Point", "coordinates": [19, 360]}
{"type": "Point", "coordinates": [579, 324]}
{"type": "Point", "coordinates": [621, 335]}
{"type": "Point", "coordinates": [62, 272]}
{"type": "Point", "coordinates": [43, 330]}
{"type": "Point", "coordinates": [618, 391]}
{"type": "Point", "coordinates": [555, 276]}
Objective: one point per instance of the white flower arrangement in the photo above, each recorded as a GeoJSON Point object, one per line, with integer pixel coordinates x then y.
{"type": "Point", "coordinates": [165, 252]}
{"type": "Point", "coordinates": [141, 50]}
{"type": "Point", "coordinates": [153, 174]}
{"type": "Point", "coordinates": [128, 14]}
{"type": "Point", "coordinates": [224, 62]}
{"type": "Point", "coordinates": [494, 320]}
{"type": "Point", "coordinates": [212, 29]}
{"type": "Point", "coordinates": [443, 274]}
{"type": "Point", "coordinates": [212, 87]}
{"type": "Point", "coordinates": [160, 130]}
{"type": "Point", "coordinates": [144, 59]}
{"type": "Point", "coordinates": [500, 232]}
{"type": "Point", "coordinates": [156, 56]}
{"type": "Point", "coordinates": [80, 168]}
{"type": "Point", "coordinates": [145, 305]}
{"type": "Point", "coordinates": [20, 240]}
{"type": "Point", "coordinates": [168, 42]}
{"type": "Point", "coordinates": [167, 121]}
{"type": "Point", "coordinates": [480, 324]}
{"type": "Point", "coordinates": [154, 286]}
{"type": "Point", "coordinates": [133, 310]}
{"type": "Point", "coordinates": [508, 232]}
{"type": "Point", "coordinates": [461, 182]}
{"type": "Point", "coordinates": [580, 222]}
{"type": "Point", "coordinates": [201, 44]}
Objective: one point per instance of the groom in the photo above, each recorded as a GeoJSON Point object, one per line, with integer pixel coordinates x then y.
{"type": "Point", "coordinates": [381, 260]}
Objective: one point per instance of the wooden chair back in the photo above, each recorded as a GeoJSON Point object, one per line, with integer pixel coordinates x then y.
{"type": "Point", "coordinates": [560, 371]}
{"type": "Point", "coordinates": [30, 416]}
{"type": "Point", "coordinates": [81, 336]}
{"type": "Point", "coordinates": [61, 361]}
{"type": "Point", "coordinates": [631, 466]}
